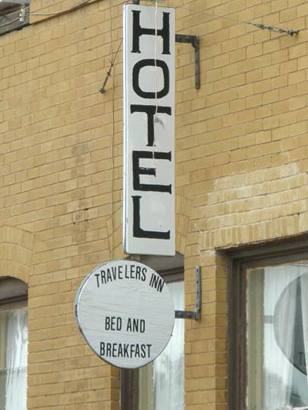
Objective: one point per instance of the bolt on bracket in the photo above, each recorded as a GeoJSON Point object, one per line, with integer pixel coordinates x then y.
{"type": "Point", "coordinates": [196, 314]}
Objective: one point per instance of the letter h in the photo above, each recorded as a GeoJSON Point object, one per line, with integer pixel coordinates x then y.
{"type": "Point", "coordinates": [139, 31]}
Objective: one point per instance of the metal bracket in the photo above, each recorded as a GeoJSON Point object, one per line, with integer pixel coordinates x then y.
{"type": "Point", "coordinates": [195, 42]}
{"type": "Point", "coordinates": [196, 314]}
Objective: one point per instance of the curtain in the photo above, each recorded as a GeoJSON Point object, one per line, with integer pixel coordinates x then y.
{"type": "Point", "coordinates": [168, 372]}
{"type": "Point", "coordinates": [14, 373]}
{"type": "Point", "coordinates": [285, 344]}
{"type": "Point", "coordinates": [161, 383]}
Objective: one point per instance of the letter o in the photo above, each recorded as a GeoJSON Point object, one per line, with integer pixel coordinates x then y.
{"type": "Point", "coordinates": [153, 63]}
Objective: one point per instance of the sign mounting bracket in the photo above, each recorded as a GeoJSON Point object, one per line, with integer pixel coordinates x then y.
{"type": "Point", "coordinates": [196, 314]}
{"type": "Point", "coordinates": [195, 42]}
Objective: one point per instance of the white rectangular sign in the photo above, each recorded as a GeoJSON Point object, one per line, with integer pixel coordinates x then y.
{"type": "Point", "coordinates": [149, 82]}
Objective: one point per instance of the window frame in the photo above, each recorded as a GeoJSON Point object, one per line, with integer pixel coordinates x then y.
{"type": "Point", "coordinates": [250, 257]}
{"type": "Point", "coordinates": [129, 378]}
{"type": "Point", "coordinates": [14, 17]}
{"type": "Point", "coordinates": [12, 290]}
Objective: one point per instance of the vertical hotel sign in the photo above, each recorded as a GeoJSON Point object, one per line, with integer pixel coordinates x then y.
{"type": "Point", "coordinates": [149, 81]}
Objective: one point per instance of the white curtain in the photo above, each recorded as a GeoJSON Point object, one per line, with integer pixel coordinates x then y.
{"type": "Point", "coordinates": [285, 385]}
{"type": "Point", "coordinates": [168, 371]}
{"type": "Point", "coordinates": [16, 348]}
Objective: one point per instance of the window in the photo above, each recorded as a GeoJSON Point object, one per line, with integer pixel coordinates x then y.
{"type": "Point", "coordinates": [269, 342]}
{"type": "Point", "coordinates": [160, 384]}
{"type": "Point", "coordinates": [13, 344]}
{"type": "Point", "coordinates": [14, 14]}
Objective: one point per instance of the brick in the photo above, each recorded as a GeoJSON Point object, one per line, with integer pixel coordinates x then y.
{"type": "Point", "coordinates": [241, 163]}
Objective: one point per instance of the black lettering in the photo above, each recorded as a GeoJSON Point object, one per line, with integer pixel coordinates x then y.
{"type": "Point", "coordinates": [151, 63]}
{"type": "Point", "coordinates": [135, 325]}
{"type": "Point", "coordinates": [138, 232]}
{"type": "Point", "coordinates": [108, 350]}
{"type": "Point", "coordinates": [157, 282]}
{"type": "Point", "coordinates": [109, 276]}
{"type": "Point", "coordinates": [97, 275]}
{"type": "Point", "coordinates": [137, 171]}
{"type": "Point", "coordinates": [139, 31]}
{"type": "Point", "coordinates": [143, 351]}
{"type": "Point", "coordinates": [107, 323]}
{"type": "Point", "coordinates": [132, 272]}
{"type": "Point", "coordinates": [120, 271]}
{"type": "Point", "coordinates": [137, 352]}
{"type": "Point", "coordinates": [132, 350]}
{"type": "Point", "coordinates": [142, 326]}
{"type": "Point", "coordinates": [138, 271]}
{"type": "Point", "coordinates": [102, 349]}
{"type": "Point", "coordinates": [129, 325]}
{"type": "Point", "coordinates": [114, 272]}
{"type": "Point", "coordinates": [150, 110]}
{"type": "Point", "coordinates": [103, 276]}
{"type": "Point", "coordinates": [149, 350]}
{"type": "Point", "coordinates": [126, 350]}
{"type": "Point", "coordinates": [144, 271]}
{"type": "Point", "coordinates": [113, 323]}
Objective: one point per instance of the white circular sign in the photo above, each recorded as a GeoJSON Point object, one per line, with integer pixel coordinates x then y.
{"type": "Point", "coordinates": [125, 312]}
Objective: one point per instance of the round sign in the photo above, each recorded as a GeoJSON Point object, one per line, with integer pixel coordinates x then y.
{"type": "Point", "coordinates": [125, 312]}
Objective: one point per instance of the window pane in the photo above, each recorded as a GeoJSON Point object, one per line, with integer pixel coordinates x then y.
{"type": "Point", "coordinates": [278, 337]}
{"type": "Point", "coordinates": [13, 359]}
{"type": "Point", "coordinates": [161, 384]}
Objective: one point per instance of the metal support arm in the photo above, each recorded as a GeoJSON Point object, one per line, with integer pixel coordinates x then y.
{"type": "Point", "coordinates": [195, 42]}
{"type": "Point", "coordinates": [196, 314]}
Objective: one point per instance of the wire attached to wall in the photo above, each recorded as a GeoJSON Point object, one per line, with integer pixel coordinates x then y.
{"type": "Point", "coordinates": [261, 26]}
{"type": "Point", "coordinates": [111, 69]}
{"type": "Point", "coordinates": [112, 63]}
{"type": "Point", "coordinates": [38, 13]}
{"type": "Point", "coordinates": [289, 32]}
{"type": "Point", "coordinates": [26, 10]}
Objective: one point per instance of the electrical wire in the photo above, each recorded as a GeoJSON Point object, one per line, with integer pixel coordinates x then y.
{"type": "Point", "coordinates": [262, 26]}
{"type": "Point", "coordinates": [113, 58]}
{"type": "Point", "coordinates": [38, 13]}
{"type": "Point", "coordinates": [112, 63]}
{"type": "Point", "coordinates": [25, 11]}
{"type": "Point", "coordinates": [155, 57]}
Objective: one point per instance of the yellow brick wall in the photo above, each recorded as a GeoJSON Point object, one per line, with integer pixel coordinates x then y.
{"type": "Point", "coordinates": [241, 172]}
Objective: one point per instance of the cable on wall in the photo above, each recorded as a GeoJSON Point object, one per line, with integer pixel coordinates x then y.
{"type": "Point", "coordinates": [38, 13]}
{"type": "Point", "coordinates": [50, 15]}
{"type": "Point", "coordinates": [111, 69]}
{"type": "Point", "coordinates": [112, 63]}
{"type": "Point", "coordinates": [289, 32]}
{"type": "Point", "coordinates": [26, 10]}
{"type": "Point", "coordinates": [261, 26]}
